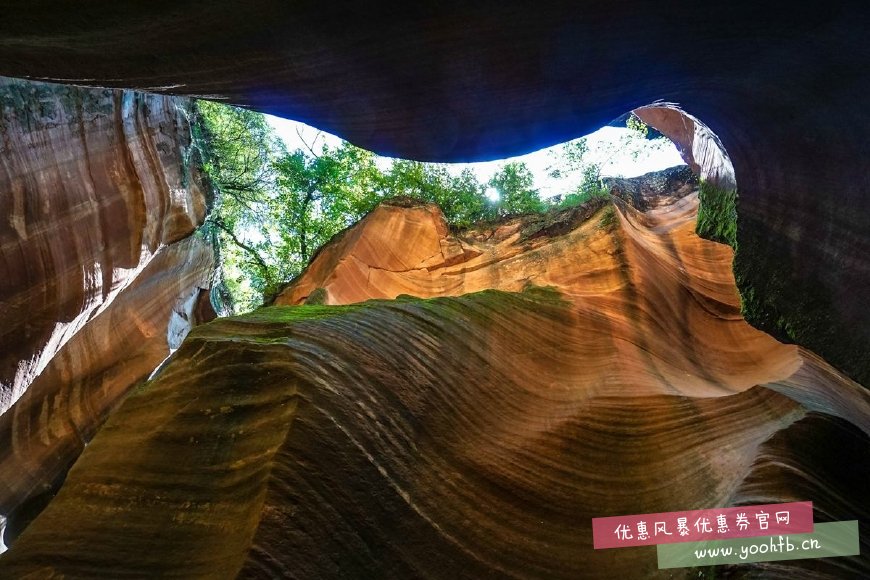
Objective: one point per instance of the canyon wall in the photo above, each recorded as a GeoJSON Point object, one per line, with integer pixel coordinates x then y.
{"type": "Point", "coordinates": [783, 87]}
{"type": "Point", "coordinates": [460, 405]}
{"type": "Point", "coordinates": [99, 193]}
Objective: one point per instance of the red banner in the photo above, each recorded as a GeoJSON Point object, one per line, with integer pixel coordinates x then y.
{"type": "Point", "coordinates": [707, 524]}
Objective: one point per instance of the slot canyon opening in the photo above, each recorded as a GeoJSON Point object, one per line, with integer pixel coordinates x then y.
{"type": "Point", "coordinates": [324, 191]}
{"type": "Point", "coordinates": [422, 399]}
{"type": "Point", "coordinates": [601, 347]}
{"type": "Point", "coordinates": [284, 189]}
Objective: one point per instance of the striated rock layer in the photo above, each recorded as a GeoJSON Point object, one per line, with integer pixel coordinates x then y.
{"type": "Point", "coordinates": [99, 195]}
{"type": "Point", "coordinates": [585, 364]}
{"type": "Point", "coordinates": [784, 87]}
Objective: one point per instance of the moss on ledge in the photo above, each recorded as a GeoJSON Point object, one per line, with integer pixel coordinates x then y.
{"type": "Point", "coordinates": [793, 308]}
{"type": "Point", "coordinates": [717, 214]}
{"type": "Point", "coordinates": [774, 296]}
{"type": "Point", "coordinates": [269, 324]}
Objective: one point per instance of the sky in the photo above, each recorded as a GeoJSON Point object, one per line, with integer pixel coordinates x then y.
{"type": "Point", "coordinates": [295, 135]}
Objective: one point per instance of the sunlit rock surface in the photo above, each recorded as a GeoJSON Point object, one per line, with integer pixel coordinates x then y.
{"type": "Point", "coordinates": [783, 86]}
{"type": "Point", "coordinates": [588, 364]}
{"type": "Point", "coordinates": [98, 275]}
{"type": "Point", "coordinates": [698, 146]}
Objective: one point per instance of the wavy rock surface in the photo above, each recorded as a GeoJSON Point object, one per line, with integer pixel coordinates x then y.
{"type": "Point", "coordinates": [784, 88]}
{"type": "Point", "coordinates": [98, 197]}
{"type": "Point", "coordinates": [464, 436]}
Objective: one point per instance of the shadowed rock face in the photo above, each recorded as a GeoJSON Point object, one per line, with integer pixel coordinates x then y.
{"type": "Point", "coordinates": [93, 183]}
{"type": "Point", "coordinates": [98, 195]}
{"type": "Point", "coordinates": [654, 189]}
{"type": "Point", "coordinates": [783, 87]}
{"type": "Point", "coordinates": [602, 370]}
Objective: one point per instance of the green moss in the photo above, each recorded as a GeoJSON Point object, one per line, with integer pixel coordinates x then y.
{"type": "Point", "coordinates": [35, 105]}
{"type": "Point", "coordinates": [775, 296]}
{"type": "Point", "coordinates": [717, 214]}
{"type": "Point", "coordinates": [292, 314]}
{"type": "Point", "coordinates": [407, 298]}
{"type": "Point", "coordinates": [608, 218]}
{"type": "Point", "coordinates": [795, 307]}
{"type": "Point", "coordinates": [579, 198]}
{"type": "Point", "coordinates": [532, 297]}
{"type": "Point", "coordinates": [317, 297]}
{"type": "Point", "coordinates": [273, 324]}
{"type": "Point", "coordinates": [545, 294]}
{"type": "Point", "coordinates": [539, 298]}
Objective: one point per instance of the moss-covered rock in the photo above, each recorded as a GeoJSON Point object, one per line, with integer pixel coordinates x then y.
{"type": "Point", "coordinates": [794, 308]}
{"type": "Point", "coordinates": [717, 214]}
{"type": "Point", "coordinates": [317, 296]}
{"type": "Point", "coordinates": [775, 296]}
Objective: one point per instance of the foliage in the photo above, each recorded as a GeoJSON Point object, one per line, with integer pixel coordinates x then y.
{"type": "Point", "coordinates": [318, 195]}
{"type": "Point", "coordinates": [778, 298]}
{"type": "Point", "coordinates": [239, 150]}
{"type": "Point", "coordinates": [514, 182]}
{"type": "Point", "coordinates": [274, 208]}
{"type": "Point", "coordinates": [577, 159]}
{"type": "Point", "coordinates": [462, 198]}
{"type": "Point", "coordinates": [634, 123]}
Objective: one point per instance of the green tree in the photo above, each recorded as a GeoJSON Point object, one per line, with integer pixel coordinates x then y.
{"type": "Point", "coordinates": [319, 195]}
{"type": "Point", "coordinates": [239, 150]}
{"type": "Point", "coordinates": [576, 159]}
{"type": "Point", "coordinates": [273, 208]}
{"type": "Point", "coordinates": [514, 184]}
{"type": "Point", "coordinates": [462, 198]}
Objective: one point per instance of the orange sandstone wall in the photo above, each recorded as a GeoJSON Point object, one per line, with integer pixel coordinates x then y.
{"type": "Point", "coordinates": [469, 435]}
{"type": "Point", "coordinates": [99, 277]}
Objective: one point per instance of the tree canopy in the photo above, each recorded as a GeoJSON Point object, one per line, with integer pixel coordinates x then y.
{"type": "Point", "coordinates": [274, 208]}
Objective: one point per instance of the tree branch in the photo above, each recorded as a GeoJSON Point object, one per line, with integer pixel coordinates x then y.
{"type": "Point", "coordinates": [313, 143]}
{"type": "Point", "coordinates": [256, 256]}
